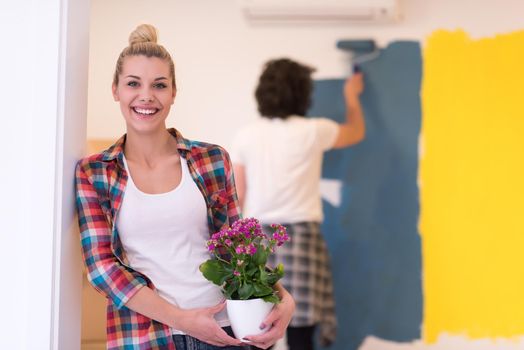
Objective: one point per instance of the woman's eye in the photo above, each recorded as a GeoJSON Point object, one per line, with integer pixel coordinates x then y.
{"type": "Point", "coordinates": [132, 83]}
{"type": "Point", "coordinates": [160, 86]}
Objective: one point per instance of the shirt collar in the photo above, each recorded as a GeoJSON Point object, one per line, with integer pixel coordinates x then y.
{"type": "Point", "coordinates": [116, 151]}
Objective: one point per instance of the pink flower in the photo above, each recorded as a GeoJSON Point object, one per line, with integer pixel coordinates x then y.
{"type": "Point", "coordinates": [280, 235]}
{"type": "Point", "coordinates": [240, 249]}
{"type": "Point", "coordinates": [251, 249]}
{"type": "Point", "coordinates": [236, 273]}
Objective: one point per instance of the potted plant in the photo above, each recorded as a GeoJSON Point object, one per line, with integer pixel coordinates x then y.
{"type": "Point", "coordinates": [238, 266]}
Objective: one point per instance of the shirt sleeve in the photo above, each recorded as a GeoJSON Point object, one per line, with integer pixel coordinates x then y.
{"type": "Point", "coordinates": [233, 211]}
{"type": "Point", "coordinates": [327, 132]}
{"type": "Point", "coordinates": [104, 271]}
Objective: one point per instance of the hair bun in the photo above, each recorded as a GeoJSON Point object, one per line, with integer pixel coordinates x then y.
{"type": "Point", "coordinates": [144, 33]}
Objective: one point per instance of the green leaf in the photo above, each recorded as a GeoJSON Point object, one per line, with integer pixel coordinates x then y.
{"type": "Point", "coordinates": [245, 291]}
{"type": "Point", "coordinates": [263, 275]}
{"type": "Point", "coordinates": [260, 257]}
{"type": "Point", "coordinates": [280, 270]}
{"type": "Point", "coordinates": [272, 299]}
{"type": "Point", "coordinates": [214, 271]}
{"type": "Point", "coordinates": [275, 275]}
{"type": "Point", "coordinates": [251, 270]}
{"type": "Point", "coordinates": [262, 290]}
{"type": "Point", "coordinates": [230, 288]}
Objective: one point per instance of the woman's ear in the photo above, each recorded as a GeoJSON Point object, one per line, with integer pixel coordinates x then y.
{"type": "Point", "coordinates": [114, 90]}
{"type": "Point", "coordinates": [174, 95]}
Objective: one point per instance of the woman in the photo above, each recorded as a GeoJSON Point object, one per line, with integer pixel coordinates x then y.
{"type": "Point", "coordinates": [146, 206]}
{"type": "Point", "coordinates": [277, 163]}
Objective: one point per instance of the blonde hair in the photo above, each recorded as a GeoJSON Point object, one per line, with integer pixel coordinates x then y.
{"type": "Point", "coordinates": [143, 41]}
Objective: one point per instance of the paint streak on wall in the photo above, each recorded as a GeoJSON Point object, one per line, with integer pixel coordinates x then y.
{"type": "Point", "coordinates": [371, 224]}
{"type": "Point", "coordinates": [472, 185]}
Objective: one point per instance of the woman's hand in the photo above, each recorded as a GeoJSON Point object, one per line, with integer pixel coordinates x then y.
{"type": "Point", "coordinates": [277, 321]}
{"type": "Point", "coordinates": [200, 323]}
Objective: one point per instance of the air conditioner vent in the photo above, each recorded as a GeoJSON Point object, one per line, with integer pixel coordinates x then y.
{"type": "Point", "coordinates": [321, 10]}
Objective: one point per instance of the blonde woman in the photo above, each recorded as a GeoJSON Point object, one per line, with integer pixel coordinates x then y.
{"type": "Point", "coordinates": [146, 206]}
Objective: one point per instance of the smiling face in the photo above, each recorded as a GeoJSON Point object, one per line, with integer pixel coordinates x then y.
{"type": "Point", "coordinates": [145, 92]}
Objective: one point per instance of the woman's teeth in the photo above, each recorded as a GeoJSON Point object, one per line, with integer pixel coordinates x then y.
{"type": "Point", "coordinates": [145, 111]}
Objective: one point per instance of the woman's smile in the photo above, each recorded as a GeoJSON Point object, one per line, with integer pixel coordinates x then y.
{"type": "Point", "coordinates": [145, 112]}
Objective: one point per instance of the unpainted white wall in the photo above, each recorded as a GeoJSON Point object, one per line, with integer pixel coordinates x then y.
{"type": "Point", "coordinates": [219, 55]}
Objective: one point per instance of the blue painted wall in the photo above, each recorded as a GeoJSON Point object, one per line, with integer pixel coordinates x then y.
{"type": "Point", "coordinates": [373, 236]}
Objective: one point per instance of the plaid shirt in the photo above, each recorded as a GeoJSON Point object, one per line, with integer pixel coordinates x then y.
{"type": "Point", "coordinates": [100, 185]}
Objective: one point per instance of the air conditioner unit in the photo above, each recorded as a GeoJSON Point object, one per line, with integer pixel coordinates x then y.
{"type": "Point", "coordinates": [321, 10]}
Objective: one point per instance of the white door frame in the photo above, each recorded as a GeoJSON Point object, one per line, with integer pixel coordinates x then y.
{"type": "Point", "coordinates": [43, 88]}
{"type": "Point", "coordinates": [71, 141]}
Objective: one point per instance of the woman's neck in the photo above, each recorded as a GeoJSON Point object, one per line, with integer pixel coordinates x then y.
{"type": "Point", "coordinates": [149, 148]}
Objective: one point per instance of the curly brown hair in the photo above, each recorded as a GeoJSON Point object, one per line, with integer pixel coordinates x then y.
{"type": "Point", "coordinates": [284, 89]}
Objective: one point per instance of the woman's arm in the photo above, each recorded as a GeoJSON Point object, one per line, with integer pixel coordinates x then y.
{"type": "Point", "coordinates": [354, 129]}
{"type": "Point", "coordinates": [240, 181]}
{"type": "Point", "coordinates": [104, 271]}
{"type": "Point", "coordinates": [198, 323]}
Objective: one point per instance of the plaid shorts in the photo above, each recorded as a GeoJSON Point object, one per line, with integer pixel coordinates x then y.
{"type": "Point", "coordinates": [307, 276]}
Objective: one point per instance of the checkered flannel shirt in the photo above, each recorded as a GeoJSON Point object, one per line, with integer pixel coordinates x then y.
{"type": "Point", "coordinates": [100, 184]}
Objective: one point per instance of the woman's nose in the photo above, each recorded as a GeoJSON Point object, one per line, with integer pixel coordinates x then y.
{"type": "Point", "coordinates": [146, 96]}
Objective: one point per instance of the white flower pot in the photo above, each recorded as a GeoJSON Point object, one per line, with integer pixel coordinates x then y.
{"type": "Point", "coordinates": [247, 315]}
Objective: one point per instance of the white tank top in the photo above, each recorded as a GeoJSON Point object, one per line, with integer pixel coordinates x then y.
{"type": "Point", "coordinates": [164, 237]}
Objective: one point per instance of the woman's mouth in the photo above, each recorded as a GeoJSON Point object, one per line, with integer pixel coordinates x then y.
{"type": "Point", "coordinates": [145, 112]}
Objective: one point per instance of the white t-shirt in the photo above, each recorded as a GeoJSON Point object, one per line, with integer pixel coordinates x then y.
{"type": "Point", "coordinates": [164, 238]}
{"type": "Point", "coordinates": [283, 163]}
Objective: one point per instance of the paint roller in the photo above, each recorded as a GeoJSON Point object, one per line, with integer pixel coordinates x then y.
{"type": "Point", "coordinates": [362, 51]}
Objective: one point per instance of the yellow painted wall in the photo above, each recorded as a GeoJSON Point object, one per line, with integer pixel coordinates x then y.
{"type": "Point", "coordinates": [472, 185]}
